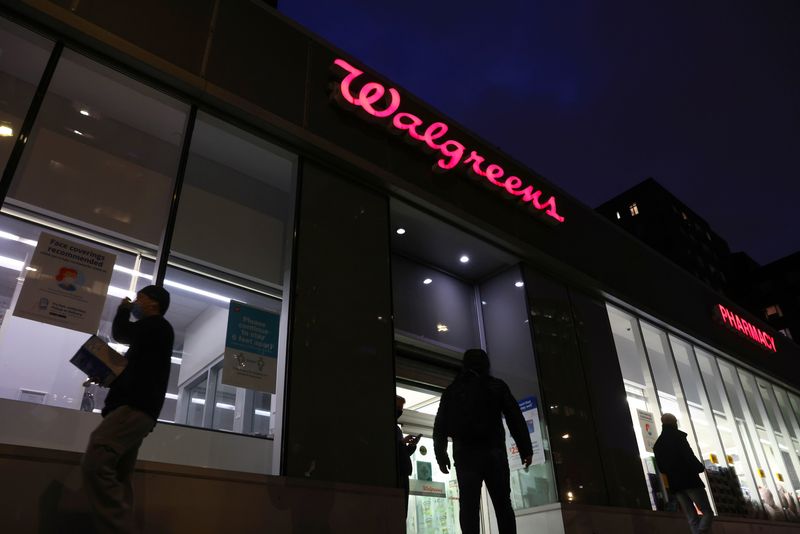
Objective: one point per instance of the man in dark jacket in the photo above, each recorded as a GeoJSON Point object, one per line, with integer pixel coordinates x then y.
{"type": "Point", "coordinates": [471, 413]}
{"type": "Point", "coordinates": [132, 406]}
{"type": "Point", "coordinates": [406, 446]}
{"type": "Point", "coordinates": [676, 460]}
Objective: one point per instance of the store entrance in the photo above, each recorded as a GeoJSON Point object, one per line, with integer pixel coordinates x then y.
{"type": "Point", "coordinates": [433, 500]}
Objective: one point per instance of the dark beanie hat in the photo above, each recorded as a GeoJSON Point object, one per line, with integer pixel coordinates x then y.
{"type": "Point", "coordinates": [158, 294]}
{"type": "Point", "coordinates": [477, 360]}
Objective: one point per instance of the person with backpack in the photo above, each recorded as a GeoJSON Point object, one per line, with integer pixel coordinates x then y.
{"type": "Point", "coordinates": [470, 412]}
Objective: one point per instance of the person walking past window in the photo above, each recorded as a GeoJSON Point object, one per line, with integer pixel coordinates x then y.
{"type": "Point", "coordinates": [131, 409]}
{"type": "Point", "coordinates": [676, 460]}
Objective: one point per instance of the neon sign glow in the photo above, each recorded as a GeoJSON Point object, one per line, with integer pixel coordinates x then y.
{"type": "Point", "coordinates": [380, 103]}
{"type": "Point", "coordinates": [745, 328]}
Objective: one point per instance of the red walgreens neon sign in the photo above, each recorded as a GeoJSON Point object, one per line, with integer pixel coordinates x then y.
{"type": "Point", "coordinates": [755, 334]}
{"type": "Point", "coordinates": [374, 95]}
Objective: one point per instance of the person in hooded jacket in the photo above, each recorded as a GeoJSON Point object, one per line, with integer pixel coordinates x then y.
{"type": "Point", "coordinates": [676, 460]}
{"type": "Point", "coordinates": [470, 412]}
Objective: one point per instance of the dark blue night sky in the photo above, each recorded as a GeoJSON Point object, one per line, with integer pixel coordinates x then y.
{"type": "Point", "coordinates": [598, 95]}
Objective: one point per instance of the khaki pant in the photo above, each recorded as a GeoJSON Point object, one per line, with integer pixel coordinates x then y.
{"type": "Point", "coordinates": [108, 468]}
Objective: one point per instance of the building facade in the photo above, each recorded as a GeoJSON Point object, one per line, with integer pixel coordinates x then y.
{"type": "Point", "coordinates": [356, 242]}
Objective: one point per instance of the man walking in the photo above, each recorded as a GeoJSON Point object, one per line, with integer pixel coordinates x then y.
{"type": "Point", "coordinates": [132, 406]}
{"type": "Point", "coordinates": [675, 459]}
{"type": "Point", "coordinates": [470, 412]}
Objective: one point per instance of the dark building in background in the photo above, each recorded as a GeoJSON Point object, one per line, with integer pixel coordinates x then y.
{"type": "Point", "coordinates": [658, 218]}
{"type": "Point", "coordinates": [661, 220]}
{"type": "Point", "coordinates": [771, 291]}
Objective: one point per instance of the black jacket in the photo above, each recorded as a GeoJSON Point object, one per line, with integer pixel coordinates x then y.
{"type": "Point", "coordinates": [404, 452]}
{"type": "Point", "coordinates": [144, 381]}
{"type": "Point", "coordinates": [675, 459]}
{"type": "Point", "coordinates": [470, 412]}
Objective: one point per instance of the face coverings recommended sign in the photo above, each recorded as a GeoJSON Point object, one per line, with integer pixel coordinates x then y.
{"type": "Point", "coordinates": [530, 411]}
{"type": "Point", "coordinates": [647, 424]}
{"type": "Point", "coordinates": [251, 348]}
{"type": "Point", "coordinates": [66, 284]}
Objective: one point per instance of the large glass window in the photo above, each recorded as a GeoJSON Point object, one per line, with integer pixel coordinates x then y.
{"type": "Point", "coordinates": [23, 56]}
{"type": "Point", "coordinates": [231, 243]}
{"type": "Point", "coordinates": [744, 427]}
{"type": "Point", "coordinates": [103, 153]}
{"type": "Point", "coordinates": [99, 170]}
{"type": "Point", "coordinates": [34, 356]}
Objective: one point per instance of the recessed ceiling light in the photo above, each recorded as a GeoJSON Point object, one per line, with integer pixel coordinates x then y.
{"type": "Point", "coordinates": [464, 259]}
{"type": "Point", "coordinates": [84, 112]}
{"type": "Point", "coordinates": [519, 284]}
{"type": "Point", "coordinates": [441, 327]}
{"type": "Point", "coordinates": [76, 132]}
{"type": "Point", "coordinates": [401, 231]}
{"type": "Point", "coordinates": [427, 281]}
{"type": "Point", "coordinates": [6, 131]}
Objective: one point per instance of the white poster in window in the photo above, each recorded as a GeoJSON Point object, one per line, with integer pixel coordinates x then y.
{"type": "Point", "coordinates": [251, 348]}
{"type": "Point", "coordinates": [530, 411]}
{"type": "Point", "coordinates": [66, 284]}
{"type": "Point", "coordinates": [648, 425]}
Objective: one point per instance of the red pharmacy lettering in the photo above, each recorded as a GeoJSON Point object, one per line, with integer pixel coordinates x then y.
{"type": "Point", "coordinates": [382, 103]}
{"type": "Point", "coordinates": [745, 328]}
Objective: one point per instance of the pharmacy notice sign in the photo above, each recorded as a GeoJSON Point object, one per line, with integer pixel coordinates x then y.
{"type": "Point", "coordinates": [66, 284]}
{"type": "Point", "coordinates": [647, 424]}
{"type": "Point", "coordinates": [530, 411]}
{"type": "Point", "coordinates": [251, 348]}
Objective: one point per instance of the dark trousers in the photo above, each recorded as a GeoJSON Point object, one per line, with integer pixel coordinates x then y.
{"type": "Point", "coordinates": [108, 465]}
{"type": "Point", "coordinates": [473, 468]}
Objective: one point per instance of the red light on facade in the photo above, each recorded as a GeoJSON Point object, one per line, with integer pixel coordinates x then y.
{"type": "Point", "coordinates": [382, 103]}
{"type": "Point", "coordinates": [739, 324]}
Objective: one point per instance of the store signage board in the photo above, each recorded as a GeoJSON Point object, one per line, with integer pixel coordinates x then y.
{"type": "Point", "coordinates": [426, 488]}
{"type": "Point", "coordinates": [251, 348]}
{"type": "Point", "coordinates": [647, 424]}
{"type": "Point", "coordinates": [383, 105]}
{"type": "Point", "coordinates": [66, 284]}
{"type": "Point", "coordinates": [743, 327]}
{"type": "Point", "coordinates": [530, 411]}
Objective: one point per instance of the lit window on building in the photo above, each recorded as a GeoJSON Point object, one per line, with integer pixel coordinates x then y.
{"type": "Point", "coordinates": [685, 217]}
{"type": "Point", "coordinates": [634, 209]}
{"type": "Point", "coordinates": [773, 311]}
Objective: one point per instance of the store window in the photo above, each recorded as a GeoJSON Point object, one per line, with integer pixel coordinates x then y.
{"type": "Point", "coordinates": [230, 255]}
{"type": "Point", "coordinates": [743, 427]}
{"type": "Point", "coordinates": [34, 355]}
{"type": "Point", "coordinates": [103, 153]}
{"type": "Point", "coordinates": [23, 57]}
{"type": "Point", "coordinates": [773, 311]}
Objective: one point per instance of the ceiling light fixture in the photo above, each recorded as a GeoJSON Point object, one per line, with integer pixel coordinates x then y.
{"type": "Point", "coordinates": [76, 132]}
{"type": "Point", "coordinates": [519, 284]}
{"type": "Point", "coordinates": [6, 131]}
{"type": "Point", "coordinates": [427, 281]}
{"type": "Point", "coordinates": [464, 259]}
{"type": "Point", "coordinates": [401, 231]}
{"type": "Point", "coordinates": [84, 112]}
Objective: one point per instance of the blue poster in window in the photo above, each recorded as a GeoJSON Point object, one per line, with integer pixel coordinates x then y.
{"type": "Point", "coordinates": [251, 348]}
{"type": "Point", "coordinates": [530, 411]}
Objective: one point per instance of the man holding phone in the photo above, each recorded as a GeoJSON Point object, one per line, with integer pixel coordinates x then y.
{"type": "Point", "coordinates": [471, 412]}
{"type": "Point", "coordinates": [406, 446]}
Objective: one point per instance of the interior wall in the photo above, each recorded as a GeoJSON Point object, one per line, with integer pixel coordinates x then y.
{"type": "Point", "coordinates": [52, 347]}
{"type": "Point", "coordinates": [204, 341]}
